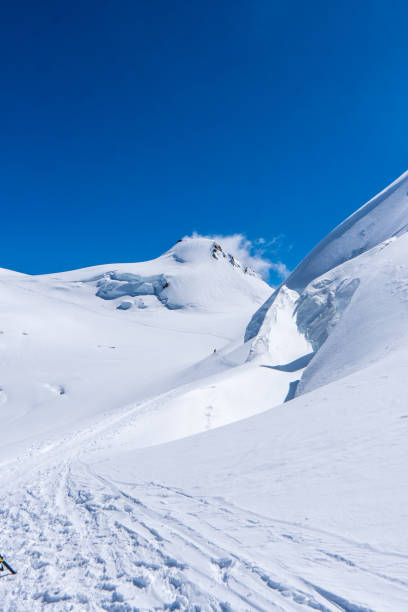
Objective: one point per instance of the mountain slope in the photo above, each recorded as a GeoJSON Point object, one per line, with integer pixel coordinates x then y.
{"type": "Point", "coordinates": [383, 217]}
{"type": "Point", "coordinates": [78, 345]}
{"type": "Point", "coordinates": [360, 261]}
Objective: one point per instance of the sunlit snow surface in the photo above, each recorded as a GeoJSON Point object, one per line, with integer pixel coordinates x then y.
{"type": "Point", "coordinates": [108, 500]}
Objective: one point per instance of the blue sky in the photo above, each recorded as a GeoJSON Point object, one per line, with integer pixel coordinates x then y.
{"type": "Point", "coordinates": [126, 125]}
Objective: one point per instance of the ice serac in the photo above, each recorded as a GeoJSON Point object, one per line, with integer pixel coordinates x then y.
{"type": "Point", "coordinates": [195, 273]}
{"type": "Point", "coordinates": [280, 337]}
{"type": "Point", "coordinates": [321, 305]}
{"type": "Point", "coordinates": [363, 313]}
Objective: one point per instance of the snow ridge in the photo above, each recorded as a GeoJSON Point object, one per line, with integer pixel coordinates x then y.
{"type": "Point", "coordinates": [326, 280]}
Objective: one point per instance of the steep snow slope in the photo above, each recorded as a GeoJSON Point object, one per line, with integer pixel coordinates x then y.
{"type": "Point", "coordinates": [383, 217]}
{"type": "Point", "coordinates": [356, 313]}
{"type": "Point", "coordinates": [359, 258]}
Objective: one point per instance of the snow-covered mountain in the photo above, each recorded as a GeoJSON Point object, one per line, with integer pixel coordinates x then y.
{"type": "Point", "coordinates": [110, 503]}
{"type": "Point", "coordinates": [77, 344]}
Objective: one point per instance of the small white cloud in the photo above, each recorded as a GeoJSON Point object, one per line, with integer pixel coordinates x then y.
{"type": "Point", "coordinates": [281, 269]}
{"type": "Point", "coordinates": [256, 254]}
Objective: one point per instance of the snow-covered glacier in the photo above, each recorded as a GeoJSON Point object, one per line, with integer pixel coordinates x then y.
{"type": "Point", "coordinates": [149, 460]}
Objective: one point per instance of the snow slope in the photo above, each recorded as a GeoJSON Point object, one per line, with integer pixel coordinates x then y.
{"type": "Point", "coordinates": [108, 500]}
{"type": "Point", "coordinates": [69, 353]}
{"type": "Point", "coordinates": [381, 219]}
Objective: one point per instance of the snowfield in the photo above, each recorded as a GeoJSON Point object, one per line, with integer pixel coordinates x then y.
{"type": "Point", "coordinates": [149, 460]}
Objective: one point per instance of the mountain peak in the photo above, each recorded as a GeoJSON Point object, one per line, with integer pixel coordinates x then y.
{"type": "Point", "coordinates": [198, 249]}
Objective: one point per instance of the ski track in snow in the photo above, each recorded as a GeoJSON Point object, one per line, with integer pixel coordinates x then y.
{"type": "Point", "coordinates": [84, 542]}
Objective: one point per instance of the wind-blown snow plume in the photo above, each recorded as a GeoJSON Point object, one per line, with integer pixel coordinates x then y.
{"type": "Point", "coordinates": [256, 254]}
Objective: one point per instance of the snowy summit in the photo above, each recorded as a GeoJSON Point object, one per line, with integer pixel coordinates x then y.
{"type": "Point", "coordinates": [178, 436]}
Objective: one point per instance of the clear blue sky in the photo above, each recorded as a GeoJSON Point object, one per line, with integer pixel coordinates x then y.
{"type": "Point", "coordinates": [126, 125]}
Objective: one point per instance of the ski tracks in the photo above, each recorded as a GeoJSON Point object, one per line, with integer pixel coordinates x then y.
{"type": "Point", "coordinates": [83, 542]}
